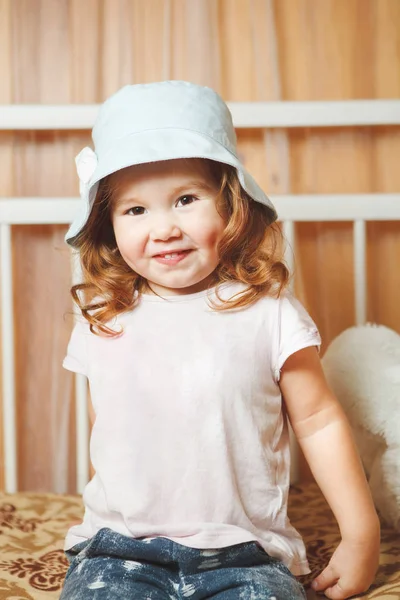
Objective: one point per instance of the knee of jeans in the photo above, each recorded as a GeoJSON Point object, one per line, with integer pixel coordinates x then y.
{"type": "Point", "coordinates": [76, 559]}
{"type": "Point", "coordinates": [86, 548]}
{"type": "Point", "coordinates": [76, 555]}
{"type": "Point", "coordinates": [77, 550]}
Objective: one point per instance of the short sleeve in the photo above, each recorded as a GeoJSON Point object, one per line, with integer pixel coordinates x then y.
{"type": "Point", "coordinates": [76, 358]}
{"type": "Point", "coordinates": [296, 330]}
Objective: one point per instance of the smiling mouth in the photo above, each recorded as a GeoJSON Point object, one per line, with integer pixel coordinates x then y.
{"type": "Point", "coordinates": [172, 258]}
{"type": "Point", "coordinates": [172, 255]}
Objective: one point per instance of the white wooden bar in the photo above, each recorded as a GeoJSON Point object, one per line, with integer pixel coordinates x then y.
{"type": "Point", "coordinates": [300, 207]}
{"type": "Point", "coordinates": [82, 432]}
{"type": "Point", "coordinates": [47, 117]}
{"type": "Point", "coordinates": [360, 276]}
{"type": "Point", "coordinates": [290, 241]}
{"type": "Point", "coordinates": [289, 234]}
{"type": "Point", "coordinates": [340, 113]}
{"type": "Point", "coordinates": [338, 207]}
{"type": "Point", "coordinates": [39, 211]}
{"type": "Point", "coordinates": [8, 374]}
{"type": "Point", "coordinates": [81, 401]}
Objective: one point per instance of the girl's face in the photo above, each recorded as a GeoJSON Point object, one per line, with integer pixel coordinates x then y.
{"type": "Point", "coordinates": [166, 224]}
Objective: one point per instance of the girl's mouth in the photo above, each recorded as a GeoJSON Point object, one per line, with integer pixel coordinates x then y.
{"type": "Point", "coordinates": [172, 258]}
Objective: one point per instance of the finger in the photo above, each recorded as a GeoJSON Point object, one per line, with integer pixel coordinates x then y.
{"type": "Point", "coordinates": [336, 592]}
{"type": "Point", "coordinates": [326, 579]}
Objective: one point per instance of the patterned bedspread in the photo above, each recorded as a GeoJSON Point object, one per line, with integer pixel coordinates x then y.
{"type": "Point", "coordinates": [33, 526]}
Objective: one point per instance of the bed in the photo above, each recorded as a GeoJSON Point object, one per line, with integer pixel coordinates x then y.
{"type": "Point", "coordinates": [33, 525]}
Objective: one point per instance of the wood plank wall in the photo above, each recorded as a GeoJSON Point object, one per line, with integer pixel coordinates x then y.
{"type": "Point", "coordinates": [81, 51]}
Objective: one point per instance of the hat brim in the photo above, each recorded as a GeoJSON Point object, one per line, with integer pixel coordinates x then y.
{"type": "Point", "coordinates": [159, 145]}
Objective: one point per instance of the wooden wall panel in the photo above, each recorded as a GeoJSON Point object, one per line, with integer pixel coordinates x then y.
{"type": "Point", "coordinates": [384, 238]}
{"type": "Point", "coordinates": [73, 51]}
{"type": "Point", "coordinates": [6, 153]}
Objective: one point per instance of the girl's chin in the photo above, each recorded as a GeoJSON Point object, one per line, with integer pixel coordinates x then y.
{"type": "Point", "coordinates": [179, 288]}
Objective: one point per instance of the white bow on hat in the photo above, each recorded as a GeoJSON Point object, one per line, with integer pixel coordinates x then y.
{"type": "Point", "coordinates": [86, 164]}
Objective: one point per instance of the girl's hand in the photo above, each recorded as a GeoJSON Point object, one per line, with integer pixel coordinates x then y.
{"type": "Point", "coordinates": [350, 571]}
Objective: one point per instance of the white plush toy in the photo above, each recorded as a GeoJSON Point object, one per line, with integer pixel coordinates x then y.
{"type": "Point", "coordinates": [362, 366]}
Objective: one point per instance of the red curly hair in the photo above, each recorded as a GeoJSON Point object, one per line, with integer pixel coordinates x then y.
{"type": "Point", "coordinates": [250, 251]}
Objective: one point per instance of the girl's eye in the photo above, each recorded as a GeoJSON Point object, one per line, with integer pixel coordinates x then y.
{"type": "Point", "coordinates": [135, 211]}
{"type": "Point", "coordinates": [185, 200]}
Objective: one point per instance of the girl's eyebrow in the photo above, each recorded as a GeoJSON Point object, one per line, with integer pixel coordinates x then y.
{"type": "Point", "coordinates": [200, 186]}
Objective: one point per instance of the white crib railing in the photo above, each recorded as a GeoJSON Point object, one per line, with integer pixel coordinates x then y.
{"type": "Point", "coordinates": [291, 208]}
{"type": "Point", "coordinates": [338, 113]}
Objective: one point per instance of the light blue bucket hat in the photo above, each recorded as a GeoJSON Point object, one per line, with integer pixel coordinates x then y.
{"type": "Point", "coordinates": [158, 121]}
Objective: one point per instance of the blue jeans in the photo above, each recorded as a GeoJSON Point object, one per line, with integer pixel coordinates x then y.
{"type": "Point", "coordinates": [115, 567]}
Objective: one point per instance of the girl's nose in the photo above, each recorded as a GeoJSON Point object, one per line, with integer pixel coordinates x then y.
{"type": "Point", "coordinates": [164, 230]}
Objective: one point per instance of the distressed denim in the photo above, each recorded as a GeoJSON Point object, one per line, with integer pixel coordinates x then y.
{"type": "Point", "coordinates": [113, 566]}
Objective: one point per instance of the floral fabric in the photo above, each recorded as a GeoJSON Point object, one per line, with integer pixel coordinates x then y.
{"type": "Point", "coordinates": [33, 528]}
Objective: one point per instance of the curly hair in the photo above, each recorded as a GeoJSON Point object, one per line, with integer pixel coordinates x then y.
{"type": "Point", "coordinates": [250, 251]}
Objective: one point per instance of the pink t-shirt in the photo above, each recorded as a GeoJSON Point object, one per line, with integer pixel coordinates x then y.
{"type": "Point", "coordinates": [190, 441]}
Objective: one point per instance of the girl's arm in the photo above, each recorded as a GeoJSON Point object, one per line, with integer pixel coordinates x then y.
{"type": "Point", "coordinates": [325, 438]}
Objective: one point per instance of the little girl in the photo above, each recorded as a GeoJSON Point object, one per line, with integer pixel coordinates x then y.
{"type": "Point", "coordinates": [196, 354]}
